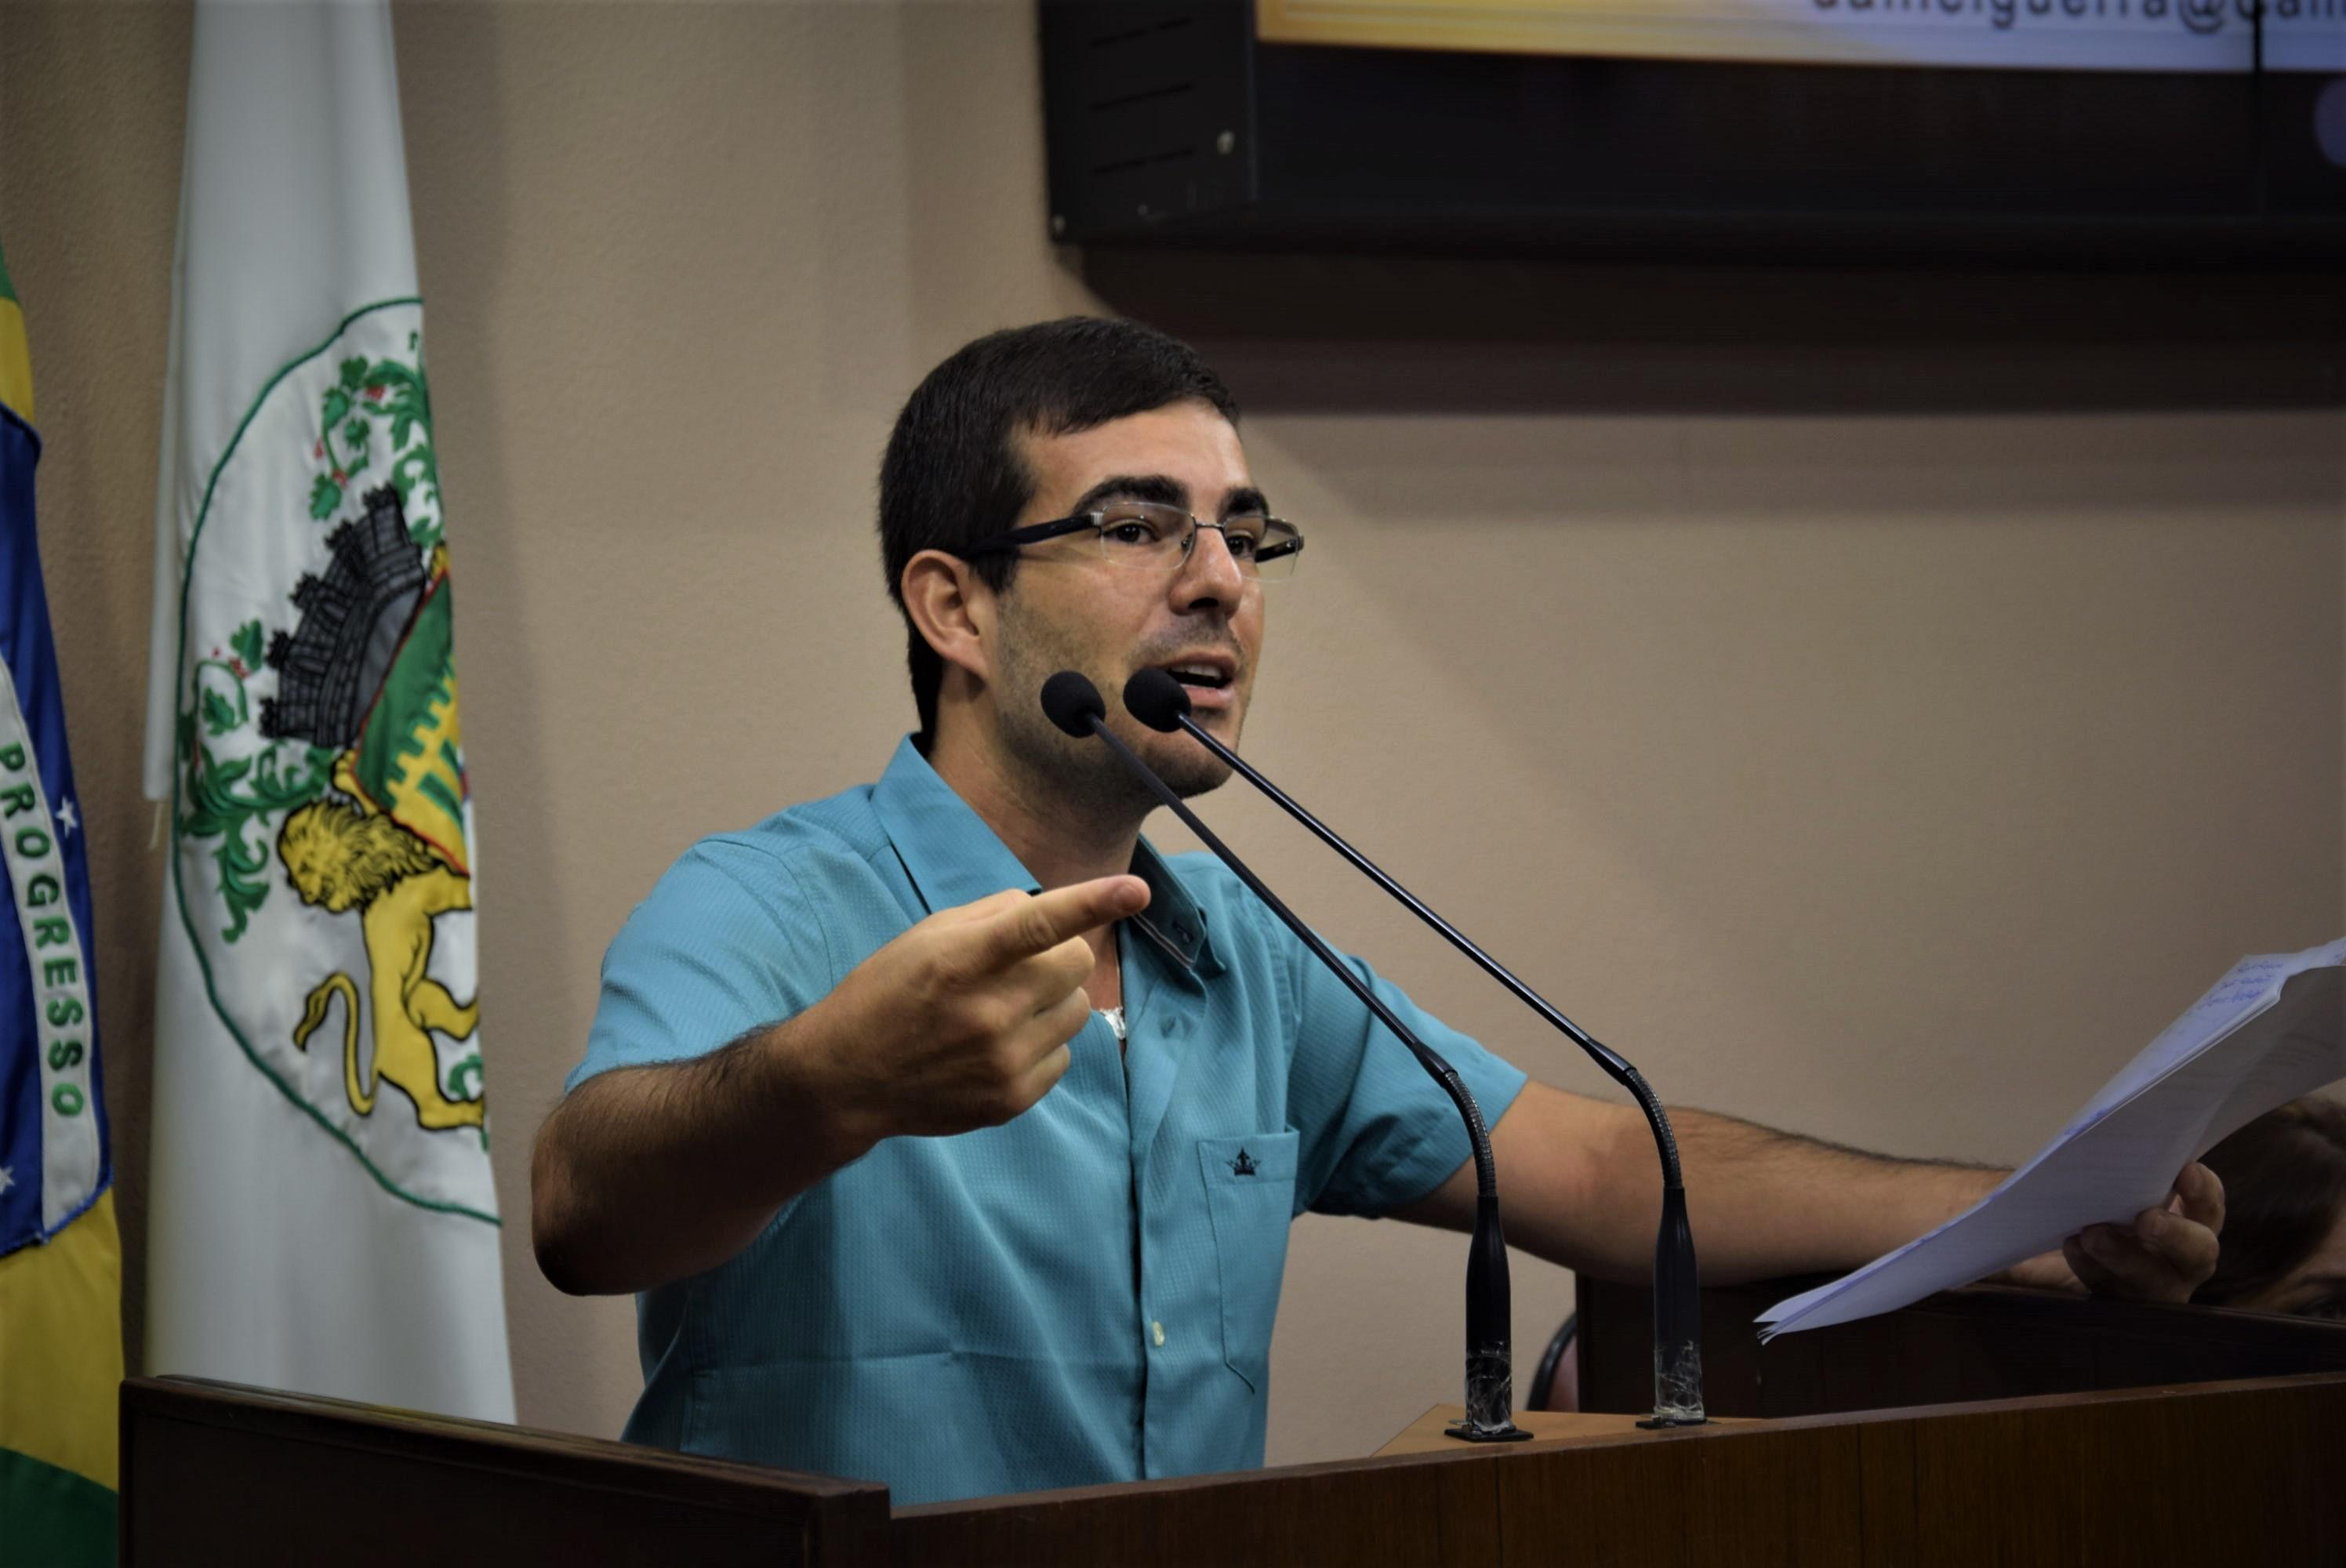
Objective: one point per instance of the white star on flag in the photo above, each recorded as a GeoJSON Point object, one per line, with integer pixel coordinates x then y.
{"type": "Point", "coordinates": [67, 823]}
{"type": "Point", "coordinates": [7, 1178]}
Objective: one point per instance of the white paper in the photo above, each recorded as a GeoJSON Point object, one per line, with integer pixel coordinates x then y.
{"type": "Point", "coordinates": [2265, 1034]}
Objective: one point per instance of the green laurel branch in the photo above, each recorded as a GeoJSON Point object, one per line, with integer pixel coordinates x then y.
{"type": "Point", "coordinates": [223, 800]}
{"type": "Point", "coordinates": [348, 411]}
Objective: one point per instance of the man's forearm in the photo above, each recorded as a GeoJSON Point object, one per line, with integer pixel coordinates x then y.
{"type": "Point", "coordinates": [1764, 1203]}
{"type": "Point", "coordinates": [647, 1174]}
{"type": "Point", "coordinates": [1583, 1187]}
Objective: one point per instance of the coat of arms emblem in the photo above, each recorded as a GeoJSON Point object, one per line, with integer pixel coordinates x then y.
{"type": "Point", "coordinates": [325, 868]}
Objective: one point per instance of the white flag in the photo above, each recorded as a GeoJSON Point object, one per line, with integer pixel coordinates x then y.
{"type": "Point", "coordinates": [322, 1217]}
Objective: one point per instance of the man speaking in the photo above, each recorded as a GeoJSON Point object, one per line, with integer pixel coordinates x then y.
{"type": "Point", "coordinates": [951, 1135]}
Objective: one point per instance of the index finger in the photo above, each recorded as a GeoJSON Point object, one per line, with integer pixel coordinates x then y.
{"type": "Point", "coordinates": [1044, 921]}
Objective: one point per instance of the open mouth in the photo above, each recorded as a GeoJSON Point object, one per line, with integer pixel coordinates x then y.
{"type": "Point", "coordinates": [1199, 677]}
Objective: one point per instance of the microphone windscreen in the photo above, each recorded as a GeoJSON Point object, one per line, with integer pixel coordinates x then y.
{"type": "Point", "coordinates": [1156, 699]}
{"type": "Point", "coordinates": [1072, 703]}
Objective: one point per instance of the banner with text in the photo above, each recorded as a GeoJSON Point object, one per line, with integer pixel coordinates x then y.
{"type": "Point", "coordinates": [2199, 36]}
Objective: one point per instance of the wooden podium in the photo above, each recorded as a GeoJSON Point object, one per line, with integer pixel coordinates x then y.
{"type": "Point", "coordinates": [2204, 1474]}
{"type": "Point", "coordinates": [1981, 1342]}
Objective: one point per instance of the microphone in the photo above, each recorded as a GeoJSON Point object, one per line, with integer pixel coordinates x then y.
{"type": "Point", "coordinates": [1162, 703]}
{"type": "Point", "coordinates": [1073, 703]}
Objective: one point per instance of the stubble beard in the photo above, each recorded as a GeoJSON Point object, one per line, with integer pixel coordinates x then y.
{"type": "Point", "coordinates": [1083, 774]}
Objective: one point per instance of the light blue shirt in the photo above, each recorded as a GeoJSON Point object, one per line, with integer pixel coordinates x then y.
{"type": "Point", "coordinates": [1082, 1295]}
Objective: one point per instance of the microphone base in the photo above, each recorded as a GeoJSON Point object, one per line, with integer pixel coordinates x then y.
{"type": "Point", "coordinates": [1467, 1431]}
{"type": "Point", "coordinates": [1664, 1423]}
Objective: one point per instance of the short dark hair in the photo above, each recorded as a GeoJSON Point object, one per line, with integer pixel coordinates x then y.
{"type": "Point", "coordinates": [953, 476]}
{"type": "Point", "coordinates": [2284, 1179]}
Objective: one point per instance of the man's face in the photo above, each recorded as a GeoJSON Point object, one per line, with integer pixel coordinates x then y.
{"type": "Point", "coordinates": [1068, 608]}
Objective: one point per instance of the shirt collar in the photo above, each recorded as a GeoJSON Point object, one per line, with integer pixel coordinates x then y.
{"type": "Point", "coordinates": [953, 857]}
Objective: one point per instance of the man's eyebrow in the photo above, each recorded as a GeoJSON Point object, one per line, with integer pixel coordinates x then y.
{"type": "Point", "coordinates": [1245, 501]}
{"type": "Point", "coordinates": [1155, 487]}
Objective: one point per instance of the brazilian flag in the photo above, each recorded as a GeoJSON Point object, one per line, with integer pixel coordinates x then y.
{"type": "Point", "coordinates": [60, 1255]}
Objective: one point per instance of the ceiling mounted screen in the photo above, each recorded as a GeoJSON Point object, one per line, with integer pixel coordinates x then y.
{"type": "Point", "coordinates": [2109, 131]}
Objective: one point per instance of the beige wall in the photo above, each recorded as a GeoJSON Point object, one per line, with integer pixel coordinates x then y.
{"type": "Point", "coordinates": [1874, 704]}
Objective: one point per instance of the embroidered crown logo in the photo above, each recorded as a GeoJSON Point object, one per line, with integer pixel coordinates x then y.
{"type": "Point", "coordinates": [1244, 1165]}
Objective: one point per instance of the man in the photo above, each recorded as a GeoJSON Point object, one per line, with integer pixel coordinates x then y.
{"type": "Point", "coordinates": [952, 1136]}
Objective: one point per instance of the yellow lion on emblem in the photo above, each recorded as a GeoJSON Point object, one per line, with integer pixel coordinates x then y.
{"type": "Point", "coordinates": [341, 858]}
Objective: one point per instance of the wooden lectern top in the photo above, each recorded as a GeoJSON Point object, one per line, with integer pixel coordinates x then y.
{"type": "Point", "coordinates": [2214, 1474]}
{"type": "Point", "coordinates": [1430, 1434]}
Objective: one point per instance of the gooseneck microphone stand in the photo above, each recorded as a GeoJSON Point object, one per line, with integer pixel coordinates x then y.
{"type": "Point", "coordinates": [1074, 703]}
{"type": "Point", "coordinates": [1160, 702]}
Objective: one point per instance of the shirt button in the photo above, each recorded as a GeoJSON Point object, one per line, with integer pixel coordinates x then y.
{"type": "Point", "coordinates": [1157, 1331]}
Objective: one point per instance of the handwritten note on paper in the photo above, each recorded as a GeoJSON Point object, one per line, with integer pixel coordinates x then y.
{"type": "Point", "coordinates": [2273, 1028]}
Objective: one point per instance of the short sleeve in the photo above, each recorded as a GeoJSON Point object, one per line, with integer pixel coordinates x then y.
{"type": "Point", "coordinates": [726, 944]}
{"type": "Point", "coordinates": [1378, 1132]}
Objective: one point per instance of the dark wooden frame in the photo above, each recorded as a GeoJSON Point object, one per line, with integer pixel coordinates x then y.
{"type": "Point", "coordinates": [2228, 1473]}
{"type": "Point", "coordinates": [1981, 1342]}
{"type": "Point", "coordinates": [214, 1472]}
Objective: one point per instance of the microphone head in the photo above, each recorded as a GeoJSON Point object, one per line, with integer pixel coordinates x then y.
{"type": "Point", "coordinates": [1073, 703]}
{"type": "Point", "coordinates": [1156, 699]}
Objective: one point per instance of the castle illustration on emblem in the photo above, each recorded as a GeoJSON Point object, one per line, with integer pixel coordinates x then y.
{"type": "Point", "coordinates": [367, 675]}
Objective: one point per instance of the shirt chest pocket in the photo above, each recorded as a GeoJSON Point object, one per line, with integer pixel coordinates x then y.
{"type": "Point", "coordinates": [1250, 1200]}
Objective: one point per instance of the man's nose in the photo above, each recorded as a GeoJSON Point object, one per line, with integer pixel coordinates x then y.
{"type": "Point", "coordinates": [1210, 574]}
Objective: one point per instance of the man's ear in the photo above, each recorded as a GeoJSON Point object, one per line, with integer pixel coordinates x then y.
{"type": "Point", "coordinates": [953, 609]}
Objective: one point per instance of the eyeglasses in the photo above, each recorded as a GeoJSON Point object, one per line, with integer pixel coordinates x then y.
{"type": "Point", "coordinates": [1148, 535]}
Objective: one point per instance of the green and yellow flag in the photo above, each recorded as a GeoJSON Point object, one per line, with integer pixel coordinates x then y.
{"type": "Point", "coordinates": [60, 1255]}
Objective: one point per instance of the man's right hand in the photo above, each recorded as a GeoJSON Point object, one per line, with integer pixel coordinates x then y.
{"type": "Point", "coordinates": [964, 1020]}
{"type": "Point", "coordinates": [647, 1174]}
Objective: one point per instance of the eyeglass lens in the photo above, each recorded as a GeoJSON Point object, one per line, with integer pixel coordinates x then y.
{"type": "Point", "coordinates": [1146, 534]}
